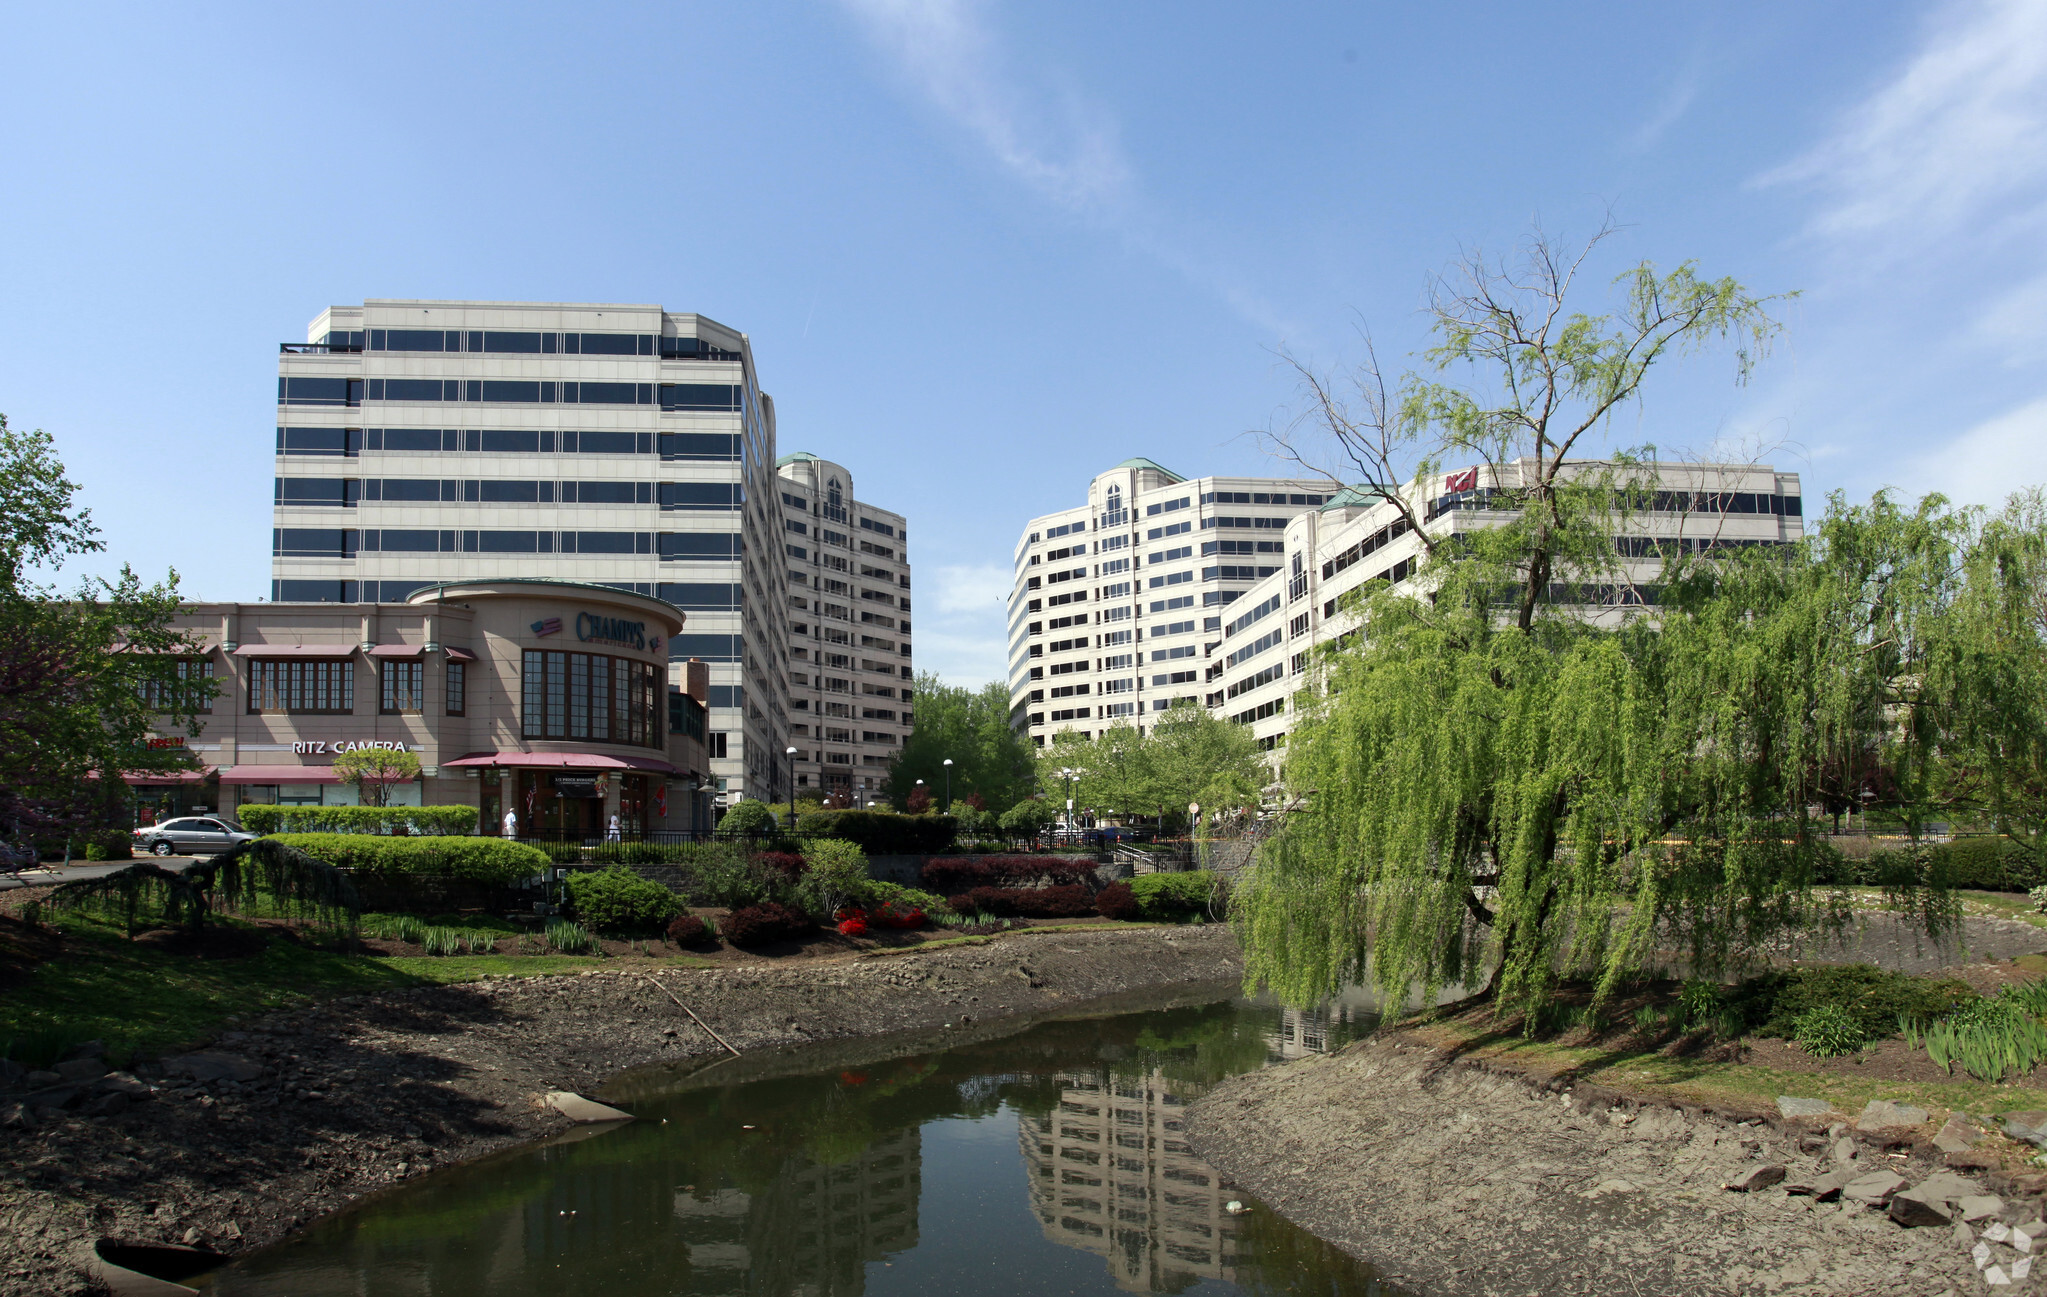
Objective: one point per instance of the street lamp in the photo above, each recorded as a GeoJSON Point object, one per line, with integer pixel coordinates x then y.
{"type": "Point", "coordinates": [791, 754]}
{"type": "Point", "coordinates": [1068, 775]}
{"type": "Point", "coordinates": [947, 808]}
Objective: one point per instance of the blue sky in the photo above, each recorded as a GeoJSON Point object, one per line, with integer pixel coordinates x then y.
{"type": "Point", "coordinates": [985, 249]}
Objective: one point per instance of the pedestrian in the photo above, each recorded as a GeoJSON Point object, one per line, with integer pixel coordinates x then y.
{"type": "Point", "coordinates": [611, 834]}
{"type": "Point", "coordinates": [511, 823]}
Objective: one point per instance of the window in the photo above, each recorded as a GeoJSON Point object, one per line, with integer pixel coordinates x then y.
{"type": "Point", "coordinates": [600, 492]}
{"type": "Point", "coordinates": [707, 495]}
{"type": "Point", "coordinates": [458, 680]}
{"type": "Point", "coordinates": [882, 527]}
{"type": "Point", "coordinates": [590, 696]}
{"type": "Point", "coordinates": [698, 545]}
{"type": "Point", "coordinates": [1255, 647]}
{"type": "Point", "coordinates": [319, 391]}
{"type": "Point", "coordinates": [319, 687]}
{"type": "Point", "coordinates": [189, 684]}
{"type": "Point", "coordinates": [1168, 605]}
{"type": "Point", "coordinates": [403, 688]}
{"type": "Point", "coordinates": [700, 445]}
{"type": "Point", "coordinates": [319, 441]}
{"type": "Point", "coordinates": [1172, 555]}
{"type": "Point", "coordinates": [1154, 510]}
{"type": "Point", "coordinates": [318, 492]}
{"type": "Point", "coordinates": [1171, 578]}
{"type": "Point", "coordinates": [312, 542]}
{"type": "Point", "coordinates": [1171, 529]}
{"type": "Point", "coordinates": [698, 396]}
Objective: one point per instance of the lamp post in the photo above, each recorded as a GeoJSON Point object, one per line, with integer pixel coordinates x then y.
{"type": "Point", "coordinates": [1067, 774]}
{"type": "Point", "coordinates": [947, 808]}
{"type": "Point", "coordinates": [791, 754]}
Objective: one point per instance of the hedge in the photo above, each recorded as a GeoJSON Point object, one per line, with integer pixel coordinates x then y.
{"type": "Point", "coordinates": [1067, 902]}
{"type": "Point", "coordinates": [950, 874]}
{"type": "Point", "coordinates": [1173, 898]}
{"type": "Point", "coordinates": [618, 900]}
{"type": "Point", "coordinates": [427, 821]}
{"type": "Point", "coordinates": [1991, 864]}
{"type": "Point", "coordinates": [482, 860]}
{"type": "Point", "coordinates": [882, 833]}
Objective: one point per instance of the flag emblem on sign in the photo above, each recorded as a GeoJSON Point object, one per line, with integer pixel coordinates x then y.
{"type": "Point", "coordinates": [1465, 481]}
{"type": "Point", "coordinates": [551, 626]}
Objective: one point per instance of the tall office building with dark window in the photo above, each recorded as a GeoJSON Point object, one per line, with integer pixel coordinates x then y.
{"type": "Point", "coordinates": [421, 442]}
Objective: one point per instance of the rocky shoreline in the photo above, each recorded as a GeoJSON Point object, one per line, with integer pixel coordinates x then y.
{"type": "Point", "coordinates": [1455, 1179]}
{"type": "Point", "coordinates": [297, 1114]}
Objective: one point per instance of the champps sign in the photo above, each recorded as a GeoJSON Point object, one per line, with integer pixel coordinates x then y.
{"type": "Point", "coordinates": [611, 630]}
{"type": "Point", "coordinates": [311, 748]}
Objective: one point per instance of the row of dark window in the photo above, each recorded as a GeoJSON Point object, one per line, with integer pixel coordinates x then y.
{"type": "Point", "coordinates": [1766, 503]}
{"type": "Point", "coordinates": [302, 390]}
{"type": "Point", "coordinates": [350, 442]}
{"type": "Point", "coordinates": [502, 342]}
{"type": "Point", "coordinates": [1261, 497]}
{"type": "Point", "coordinates": [1258, 680]}
{"type": "Point", "coordinates": [1242, 547]}
{"type": "Point", "coordinates": [323, 542]}
{"type": "Point", "coordinates": [347, 492]}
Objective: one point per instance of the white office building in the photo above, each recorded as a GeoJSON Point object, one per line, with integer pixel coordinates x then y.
{"type": "Point", "coordinates": [850, 690]}
{"type": "Point", "coordinates": [1263, 656]}
{"type": "Point", "coordinates": [1118, 601]}
{"type": "Point", "coordinates": [421, 442]}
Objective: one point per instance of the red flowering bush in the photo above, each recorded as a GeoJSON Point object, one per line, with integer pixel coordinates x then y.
{"type": "Point", "coordinates": [1117, 901]}
{"type": "Point", "coordinates": [689, 930]}
{"type": "Point", "coordinates": [786, 863]}
{"type": "Point", "coordinates": [758, 925]}
{"type": "Point", "coordinates": [853, 927]}
{"type": "Point", "coordinates": [889, 916]}
{"type": "Point", "coordinates": [1066, 902]}
{"type": "Point", "coordinates": [953, 874]}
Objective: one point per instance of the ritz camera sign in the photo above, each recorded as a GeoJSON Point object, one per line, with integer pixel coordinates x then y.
{"type": "Point", "coordinates": [314, 747]}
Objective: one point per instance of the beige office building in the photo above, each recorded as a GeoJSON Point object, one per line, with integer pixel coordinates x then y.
{"type": "Point", "coordinates": [850, 675]}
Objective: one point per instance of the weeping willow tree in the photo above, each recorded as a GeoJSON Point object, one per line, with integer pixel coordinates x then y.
{"type": "Point", "coordinates": [236, 879]}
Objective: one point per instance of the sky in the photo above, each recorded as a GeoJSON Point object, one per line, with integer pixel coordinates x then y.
{"type": "Point", "coordinates": [984, 250]}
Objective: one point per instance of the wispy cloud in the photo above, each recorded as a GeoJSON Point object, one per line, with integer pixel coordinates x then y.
{"type": "Point", "coordinates": [1986, 463]}
{"type": "Point", "coordinates": [1957, 140]}
{"type": "Point", "coordinates": [959, 623]}
{"type": "Point", "coordinates": [1677, 98]}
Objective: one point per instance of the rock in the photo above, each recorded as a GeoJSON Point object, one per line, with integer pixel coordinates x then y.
{"type": "Point", "coordinates": [107, 1105]}
{"type": "Point", "coordinates": [1792, 1106]}
{"type": "Point", "coordinates": [1946, 1187]}
{"type": "Point", "coordinates": [576, 1108]}
{"type": "Point", "coordinates": [1958, 1135]}
{"type": "Point", "coordinates": [1911, 1208]}
{"type": "Point", "coordinates": [1978, 1206]}
{"type": "Point", "coordinates": [1874, 1189]}
{"type": "Point", "coordinates": [1980, 1254]}
{"type": "Point", "coordinates": [1761, 1177]}
{"type": "Point", "coordinates": [1882, 1114]}
{"type": "Point", "coordinates": [122, 1083]}
{"type": "Point", "coordinates": [1998, 1232]}
{"type": "Point", "coordinates": [16, 1116]}
{"type": "Point", "coordinates": [208, 1065]}
{"type": "Point", "coordinates": [87, 1049]}
{"type": "Point", "coordinates": [193, 1237]}
{"type": "Point", "coordinates": [2021, 1268]}
{"type": "Point", "coordinates": [42, 1079]}
{"type": "Point", "coordinates": [1605, 1187]}
{"type": "Point", "coordinates": [1821, 1188]}
{"type": "Point", "coordinates": [81, 1069]}
{"type": "Point", "coordinates": [1844, 1151]}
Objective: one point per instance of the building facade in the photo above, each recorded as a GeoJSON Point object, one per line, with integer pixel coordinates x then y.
{"type": "Point", "coordinates": [548, 699]}
{"type": "Point", "coordinates": [422, 442]}
{"type": "Point", "coordinates": [1118, 601]}
{"type": "Point", "coordinates": [850, 676]}
{"type": "Point", "coordinates": [1264, 654]}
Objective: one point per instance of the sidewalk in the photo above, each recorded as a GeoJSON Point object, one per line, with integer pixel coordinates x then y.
{"type": "Point", "coordinates": [49, 874]}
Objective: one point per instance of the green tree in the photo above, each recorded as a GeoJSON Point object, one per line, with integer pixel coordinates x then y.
{"type": "Point", "coordinates": [1187, 755]}
{"type": "Point", "coordinates": [372, 771]}
{"type": "Point", "coordinates": [1490, 779]}
{"type": "Point", "coordinates": [971, 726]}
{"type": "Point", "coordinates": [86, 677]}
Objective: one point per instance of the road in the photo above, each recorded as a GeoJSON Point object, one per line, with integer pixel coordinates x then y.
{"type": "Point", "coordinates": [49, 874]}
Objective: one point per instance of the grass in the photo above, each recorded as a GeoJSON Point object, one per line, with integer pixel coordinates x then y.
{"type": "Point", "coordinates": [1975, 904]}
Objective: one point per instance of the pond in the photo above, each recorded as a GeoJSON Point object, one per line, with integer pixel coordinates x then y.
{"type": "Point", "coordinates": [1047, 1160]}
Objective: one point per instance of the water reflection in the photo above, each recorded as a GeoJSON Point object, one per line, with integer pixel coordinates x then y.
{"type": "Point", "coordinates": [891, 1177]}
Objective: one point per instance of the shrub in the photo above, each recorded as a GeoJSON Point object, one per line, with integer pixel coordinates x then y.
{"type": "Point", "coordinates": [1828, 1031]}
{"type": "Point", "coordinates": [109, 844]}
{"type": "Point", "coordinates": [570, 938]}
{"type": "Point", "coordinates": [1772, 1003]}
{"type": "Point", "coordinates": [429, 821]}
{"type": "Point", "coordinates": [724, 873]}
{"type": "Point", "coordinates": [837, 875]}
{"type": "Point", "coordinates": [1173, 898]}
{"type": "Point", "coordinates": [950, 874]}
{"type": "Point", "coordinates": [898, 897]}
{"type": "Point", "coordinates": [1117, 901]}
{"type": "Point", "coordinates": [1066, 902]}
{"type": "Point", "coordinates": [394, 927]}
{"type": "Point", "coordinates": [483, 860]}
{"type": "Point", "coordinates": [1992, 1038]}
{"type": "Point", "coordinates": [618, 900]}
{"type": "Point", "coordinates": [788, 863]}
{"type": "Point", "coordinates": [1027, 819]}
{"type": "Point", "coordinates": [690, 930]}
{"type": "Point", "coordinates": [882, 833]}
{"type": "Point", "coordinates": [748, 819]}
{"type": "Point", "coordinates": [758, 925]}
{"type": "Point", "coordinates": [853, 925]}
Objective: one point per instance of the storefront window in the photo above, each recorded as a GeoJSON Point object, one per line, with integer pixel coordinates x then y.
{"type": "Point", "coordinates": [457, 687]}
{"type": "Point", "coordinates": [321, 687]}
{"type": "Point", "coordinates": [590, 696]}
{"type": "Point", "coordinates": [404, 687]}
{"type": "Point", "coordinates": [189, 690]}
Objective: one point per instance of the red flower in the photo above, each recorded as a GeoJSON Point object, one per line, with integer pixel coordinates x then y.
{"type": "Point", "coordinates": [853, 927]}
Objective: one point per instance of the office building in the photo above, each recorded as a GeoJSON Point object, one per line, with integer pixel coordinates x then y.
{"type": "Point", "coordinates": [850, 676]}
{"type": "Point", "coordinates": [1117, 599]}
{"type": "Point", "coordinates": [1263, 656]}
{"type": "Point", "coordinates": [423, 442]}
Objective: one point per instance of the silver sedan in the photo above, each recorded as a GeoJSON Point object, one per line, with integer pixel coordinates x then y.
{"type": "Point", "coordinates": [191, 836]}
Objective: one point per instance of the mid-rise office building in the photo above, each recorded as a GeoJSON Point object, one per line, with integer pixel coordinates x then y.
{"type": "Point", "coordinates": [1118, 601]}
{"type": "Point", "coordinates": [1263, 657]}
{"type": "Point", "coordinates": [424, 442]}
{"type": "Point", "coordinates": [850, 690]}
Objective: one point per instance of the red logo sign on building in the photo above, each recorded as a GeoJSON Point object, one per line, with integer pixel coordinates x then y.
{"type": "Point", "coordinates": [1465, 481]}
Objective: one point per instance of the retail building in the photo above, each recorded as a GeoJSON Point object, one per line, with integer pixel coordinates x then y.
{"type": "Point", "coordinates": [550, 699]}
{"type": "Point", "coordinates": [422, 442]}
{"type": "Point", "coordinates": [849, 630]}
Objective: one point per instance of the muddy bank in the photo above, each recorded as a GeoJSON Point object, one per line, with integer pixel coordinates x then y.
{"type": "Point", "coordinates": [1457, 1180]}
{"type": "Point", "coordinates": [358, 1094]}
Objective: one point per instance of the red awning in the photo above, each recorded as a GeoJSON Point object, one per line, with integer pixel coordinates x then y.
{"type": "Point", "coordinates": [286, 775]}
{"type": "Point", "coordinates": [295, 651]}
{"type": "Point", "coordinates": [459, 654]}
{"type": "Point", "coordinates": [198, 776]}
{"type": "Point", "coordinates": [562, 761]}
{"type": "Point", "coordinates": [396, 650]}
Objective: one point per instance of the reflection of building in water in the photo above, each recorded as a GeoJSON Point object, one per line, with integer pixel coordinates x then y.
{"type": "Point", "coordinates": [1329, 1025]}
{"type": "Point", "coordinates": [813, 1231]}
{"type": "Point", "coordinates": [1110, 1173]}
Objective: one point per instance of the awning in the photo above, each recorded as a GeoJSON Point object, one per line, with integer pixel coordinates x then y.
{"type": "Point", "coordinates": [295, 651]}
{"type": "Point", "coordinates": [396, 650]}
{"type": "Point", "coordinates": [562, 761]}
{"type": "Point", "coordinates": [459, 654]}
{"type": "Point", "coordinates": [154, 777]}
{"type": "Point", "coordinates": [282, 774]}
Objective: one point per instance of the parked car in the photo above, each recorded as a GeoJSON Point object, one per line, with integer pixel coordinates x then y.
{"type": "Point", "coordinates": [191, 836]}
